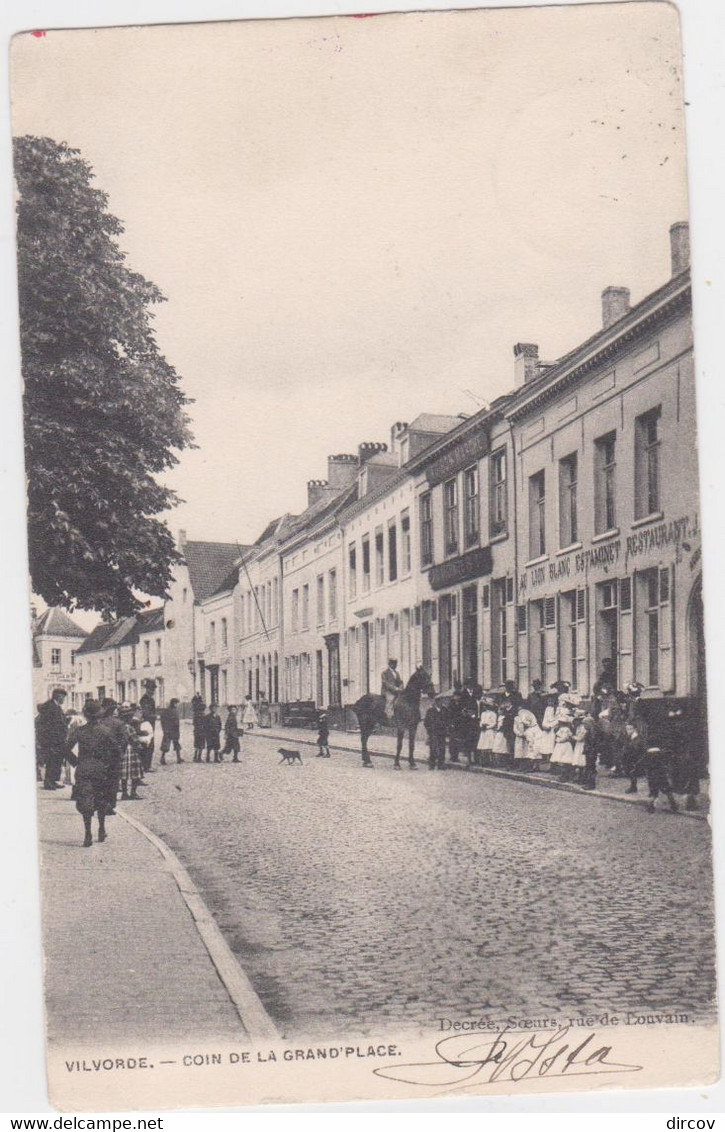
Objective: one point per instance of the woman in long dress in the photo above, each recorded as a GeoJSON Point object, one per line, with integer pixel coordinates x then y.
{"type": "Point", "coordinates": [487, 730]}
{"type": "Point", "coordinates": [249, 719]}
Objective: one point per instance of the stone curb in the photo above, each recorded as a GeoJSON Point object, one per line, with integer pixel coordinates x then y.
{"type": "Point", "coordinates": [517, 776]}
{"type": "Point", "coordinates": [257, 1023]}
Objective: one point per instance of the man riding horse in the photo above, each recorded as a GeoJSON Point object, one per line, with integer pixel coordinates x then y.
{"type": "Point", "coordinates": [370, 712]}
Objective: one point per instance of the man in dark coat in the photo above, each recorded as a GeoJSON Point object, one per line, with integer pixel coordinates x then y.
{"type": "Point", "coordinates": [169, 717]}
{"type": "Point", "coordinates": [51, 731]}
{"type": "Point", "coordinates": [435, 725]}
{"type": "Point", "coordinates": [147, 703]}
{"type": "Point", "coordinates": [213, 727]}
{"type": "Point", "coordinates": [231, 734]}
{"type": "Point", "coordinates": [536, 702]}
{"type": "Point", "coordinates": [117, 733]}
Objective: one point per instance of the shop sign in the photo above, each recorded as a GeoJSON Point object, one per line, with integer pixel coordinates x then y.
{"type": "Point", "coordinates": [458, 457]}
{"type": "Point", "coordinates": [608, 555]}
{"type": "Point", "coordinates": [475, 564]}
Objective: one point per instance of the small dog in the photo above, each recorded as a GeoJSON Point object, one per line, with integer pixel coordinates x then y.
{"type": "Point", "coordinates": [288, 756]}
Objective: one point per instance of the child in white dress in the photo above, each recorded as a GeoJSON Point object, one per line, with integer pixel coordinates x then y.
{"type": "Point", "coordinates": [487, 731]}
{"type": "Point", "coordinates": [546, 733]}
{"type": "Point", "coordinates": [526, 730]}
{"type": "Point", "coordinates": [563, 739]}
{"type": "Point", "coordinates": [249, 719]}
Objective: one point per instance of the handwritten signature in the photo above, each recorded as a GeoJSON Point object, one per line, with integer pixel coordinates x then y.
{"type": "Point", "coordinates": [510, 1055]}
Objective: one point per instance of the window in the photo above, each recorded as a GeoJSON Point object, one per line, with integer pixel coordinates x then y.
{"type": "Point", "coordinates": [225, 633]}
{"type": "Point", "coordinates": [499, 497]}
{"type": "Point", "coordinates": [568, 526]}
{"type": "Point", "coordinates": [366, 564]}
{"type": "Point", "coordinates": [471, 524]}
{"type": "Point", "coordinates": [73, 658]}
{"type": "Point", "coordinates": [275, 601]}
{"type": "Point", "coordinates": [537, 515]}
{"type": "Point", "coordinates": [392, 550]}
{"type": "Point", "coordinates": [653, 607]}
{"type": "Point", "coordinates": [158, 650]}
{"type": "Point", "coordinates": [55, 658]}
{"type": "Point", "coordinates": [501, 628]}
{"type": "Point", "coordinates": [212, 635]}
{"type": "Point", "coordinates": [332, 595]}
{"type": "Point", "coordinates": [133, 656]}
{"type": "Point", "coordinates": [305, 606]}
{"type": "Point", "coordinates": [450, 515]}
{"type": "Point", "coordinates": [406, 558]}
{"type": "Point", "coordinates": [379, 557]}
{"type": "Point", "coordinates": [146, 653]}
{"type": "Point", "coordinates": [647, 464]}
{"type": "Point", "coordinates": [184, 594]}
{"type": "Point", "coordinates": [426, 530]}
{"type": "Point", "coordinates": [605, 468]}
{"type": "Point", "coordinates": [295, 610]}
{"type": "Point", "coordinates": [320, 599]}
{"type": "Point", "coordinates": [352, 571]}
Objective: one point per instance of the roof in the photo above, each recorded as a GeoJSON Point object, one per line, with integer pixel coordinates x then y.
{"type": "Point", "coordinates": [98, 637]}
{"type": "Point", "coordinates": [209, 565]}
{"type": "Point", "coordinates": [56, 623]}
{"type": "Point", "coordinates": [433, 422]}
{"type": "Point", "coordinates": [149, 621]}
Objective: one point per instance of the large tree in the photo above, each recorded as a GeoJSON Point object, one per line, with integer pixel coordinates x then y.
{"type": "Point", "coordinates": [104, 411]}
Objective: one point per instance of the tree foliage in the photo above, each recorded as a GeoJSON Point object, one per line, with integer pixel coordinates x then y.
{"type": "Point", "coordinates": [104, 411]}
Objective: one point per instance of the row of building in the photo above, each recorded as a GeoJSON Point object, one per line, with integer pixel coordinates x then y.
{"type": "Point", "coordinates": [554, 528]}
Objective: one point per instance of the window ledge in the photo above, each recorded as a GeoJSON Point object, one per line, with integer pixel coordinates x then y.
{"type": "Point", "coordinates": [611, 533]}
{"type": "Point", "coordinates": [498, 538]}
{"type": "Point", "coordinates": [537, 561]}
{"type": "Point", "coordinates": [570, 548]}
{"type": "Point", "coordinates": [654, 517]}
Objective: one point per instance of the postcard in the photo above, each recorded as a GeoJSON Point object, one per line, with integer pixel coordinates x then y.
{"type": "Point", "coordinates": [364, 538]}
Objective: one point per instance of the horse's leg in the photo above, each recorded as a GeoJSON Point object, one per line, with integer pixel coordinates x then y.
{"type": "Point", "coordinates": [398, 746]}
{"type": "Point", "coordinates": [411, 746]}
{"type": "Point", "coordinates": [365, 733]}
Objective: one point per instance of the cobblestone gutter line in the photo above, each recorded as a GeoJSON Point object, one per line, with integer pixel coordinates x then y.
{"type": "Point", "coordinates": [254, 1017]}
{"type": "Point", "coordinates": [517, 776]}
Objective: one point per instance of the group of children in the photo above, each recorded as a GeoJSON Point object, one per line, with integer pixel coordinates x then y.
{"type": "Point", "coordinates": [557, 733]}
{"type": "Point", "coordinates": [208, 726]}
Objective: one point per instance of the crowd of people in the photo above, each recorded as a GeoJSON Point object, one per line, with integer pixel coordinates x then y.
{"type": "Point", "coordinates": [109, 748]}
{"type": "Point", "coordinates": [555, 731]}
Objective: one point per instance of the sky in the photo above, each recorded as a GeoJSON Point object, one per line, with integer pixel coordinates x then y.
{"type": "Point", "coordinates": [354, 220]}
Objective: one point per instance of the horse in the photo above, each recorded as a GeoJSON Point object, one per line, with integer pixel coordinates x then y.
{"type": "Point", "coordinates": [370, 712]}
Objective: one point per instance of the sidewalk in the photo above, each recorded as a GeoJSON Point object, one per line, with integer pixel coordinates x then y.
{"type": "Point", "coordinates": [124, 960]}
{"type": "Point", "coordinates": [610, 789]}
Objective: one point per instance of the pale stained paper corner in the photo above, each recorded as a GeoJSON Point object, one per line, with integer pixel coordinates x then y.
{"type": "Point", "coordinates": [401, 476]}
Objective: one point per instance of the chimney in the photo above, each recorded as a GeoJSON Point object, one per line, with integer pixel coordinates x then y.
{"type": "Point", "coordinates": [615, 304]}
{"type": "Point", "coordinates": [526, 363]}
{"type": "Point", "coordinates": [680, 246]}
{"type": "Point", "coordinates": [182, 540]}
{"type": "Point", "coordinates": [370, 448]}
{"type": "Point", "coordinates": [315, 491]}
{"type": "Point", "coordinates": [399, 429]}
{"type": "Point", "coordinates": [341, 470]}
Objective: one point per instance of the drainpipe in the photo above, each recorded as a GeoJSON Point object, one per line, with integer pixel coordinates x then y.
{"type": "Point", "coordinates": [515, 531]}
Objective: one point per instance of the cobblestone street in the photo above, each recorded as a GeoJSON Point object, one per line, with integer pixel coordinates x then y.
{"type": "Point", "coordinates": [366, 899]}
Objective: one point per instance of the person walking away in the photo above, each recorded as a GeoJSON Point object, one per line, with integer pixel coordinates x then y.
{"type": "Point", "coordinates": [658, 779]}
{"type": "Point", "coordinates": [147, 703]}
{"type": "Point", "coordinates": [249, 719]}
{"type": "Point", "coordinates": [95, 764]}
{"type": "Point", "coordinates": [682, 752]}
{"type": "Point", "coordinates": [199, 727]}
{"type": "Point", "coordinates": [213, 734]}
{"type": "Point", "coordinates": [118, 737]}
{"type": "Point", "coordinates": [51, 733]}
{"type": "Point", "coordinates": [487, 730]}
{"type": "Point", "coordinates": [131, 768]}
{"type": "Point", "coordinates": [323, 736]}
{"type": "Point", "coordinates": [170, 731]}
{"type": "Point", "coordinates": [231, 734]}
{"type": "Point", "coordinates": [435, 725]}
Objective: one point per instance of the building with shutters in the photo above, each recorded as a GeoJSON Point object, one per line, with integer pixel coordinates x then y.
{"type": "Point", "coordinates": [606, 489]}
